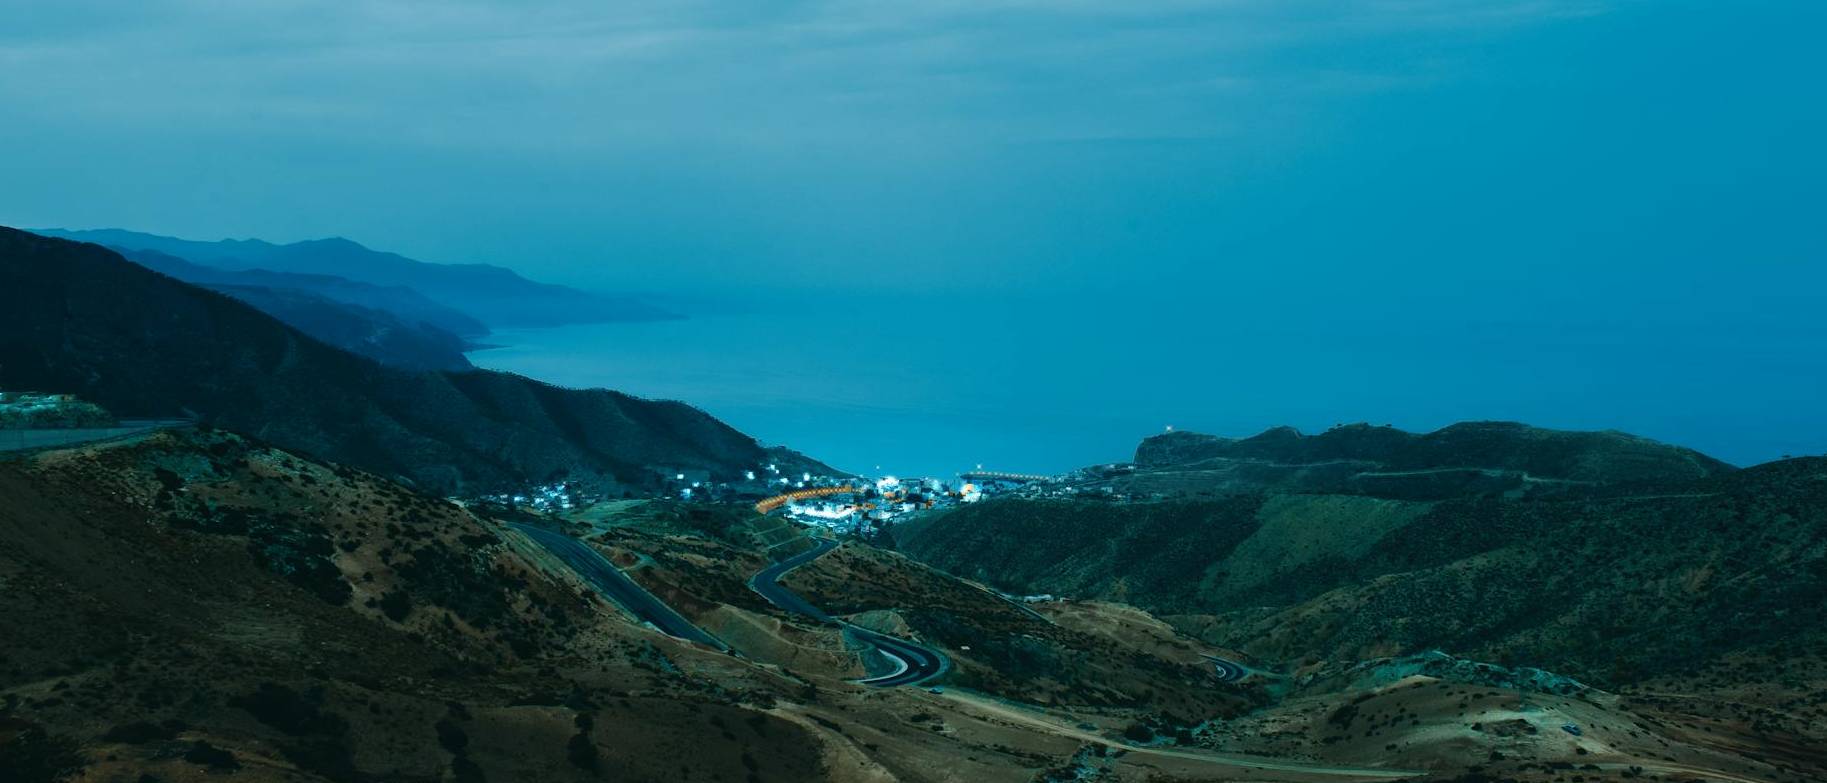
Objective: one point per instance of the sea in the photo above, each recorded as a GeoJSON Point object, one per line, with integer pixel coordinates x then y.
{"type": "Point", "coordinates": [881, 386]}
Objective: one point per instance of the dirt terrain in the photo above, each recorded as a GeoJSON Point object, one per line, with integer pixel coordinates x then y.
{"type": "Point", "coordinates": [201, 606]}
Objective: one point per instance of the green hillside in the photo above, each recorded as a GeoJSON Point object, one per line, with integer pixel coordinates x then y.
{"type": "Point", "coordinates": [1610, 586]}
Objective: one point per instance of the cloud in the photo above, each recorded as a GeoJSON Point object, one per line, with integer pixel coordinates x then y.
{"type": "Point", "coordinates": [576, 75]}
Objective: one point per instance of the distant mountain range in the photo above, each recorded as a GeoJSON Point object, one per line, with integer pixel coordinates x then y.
{"type": "Point", "coordinates": [376, 334]}
{"type": "Point", "coordinates": [496, 296]}
{"type": "Point", "coordinates": [286, 595]}
{"type": "Point", "coordinates": [404, 303]}
{"type": "Point", "coordinates": [80, 318]}
{"type": "Point", "coordinates": [393, 325]}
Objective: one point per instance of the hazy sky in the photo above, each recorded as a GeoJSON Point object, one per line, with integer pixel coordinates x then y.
{"type": "Point", "coordinates": [1626, 176]}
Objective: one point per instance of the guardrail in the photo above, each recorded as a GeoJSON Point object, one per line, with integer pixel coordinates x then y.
{"type": "Point", "coordinates": [991, 475]}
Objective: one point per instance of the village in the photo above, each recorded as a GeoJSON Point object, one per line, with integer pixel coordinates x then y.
{"type": "Point", "coordinates": [841, 504]}
{"type": "Point", "coordinates": [39, 410]}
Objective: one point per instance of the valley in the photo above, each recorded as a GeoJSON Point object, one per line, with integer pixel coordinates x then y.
{"type": "Point", "coordinates": [497, 613]}
{"type": "Point", "coordinates": [1048, 391]}
{"type": "Point", "coordinates": [325, 568]}
{"type": "Point", "coordinates": [453, 604]}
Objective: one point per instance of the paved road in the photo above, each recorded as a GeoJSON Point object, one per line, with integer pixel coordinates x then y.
{"type": "Point", "coordinates": [33, 439]}
{"type": "Point", "coordinates": [1234, 671]}
{"type": "Point", "coordinates": [611, 582]}
{"type": "Point", "coordinates": [1228, 671]}
{"type": "Point", "coordinates": [1026, 715]}
{"type": "Point", "coordinates": [767, 583]}
{"type": "Point", "coordinates": [914, 663]}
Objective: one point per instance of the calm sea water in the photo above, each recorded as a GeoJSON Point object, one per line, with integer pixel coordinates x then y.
{"type": "Point", "coordinates": [935, 388]}
{"type": "Point", "coordinates": [861, 387]}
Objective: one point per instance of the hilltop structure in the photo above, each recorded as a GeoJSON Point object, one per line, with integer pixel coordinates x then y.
{"type": "Point", "coordinates": [40, 410]}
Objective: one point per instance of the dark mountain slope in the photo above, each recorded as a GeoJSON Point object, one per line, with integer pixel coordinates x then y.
{"type": "Point", "coordinates": [496, 295]}
{"type": "Point", "coordinates": [403, 303]}
{"type": "Point", "coordinates": [1282, 517]}
{"type": "Point", "coordinates": [1613, 587]}
{"type": "Point", "coordinates": [1147, 554]}
{"type": "Point", "coordinates": [1614, 591]}
{"type": "Point", "coordinates": [79, 318]}
{"type": "Point", "coordinates": [372, 333]}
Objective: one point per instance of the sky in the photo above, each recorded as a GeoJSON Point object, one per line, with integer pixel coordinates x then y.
{"type": "Point", "coordinates": [1624, 196]}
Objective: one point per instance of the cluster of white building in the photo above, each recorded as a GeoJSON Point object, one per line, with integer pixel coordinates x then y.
{"type": "Point", "coordinates": [38, 409]}
{"type": "Point", "coordinates": [841, 503]}
{"type": "Point", "coordinates": [562, 496]}
{"type": "Point", "coordinates": [878, 503]}
{"type": "Point", "coordinates": [761, 481]}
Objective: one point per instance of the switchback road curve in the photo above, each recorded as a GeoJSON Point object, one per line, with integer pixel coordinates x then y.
{"type": "Point", "coordinates": [914, 663]}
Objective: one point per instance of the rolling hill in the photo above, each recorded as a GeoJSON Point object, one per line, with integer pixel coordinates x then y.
{"type": "Point", "coordinates": [1657, 560]}
{"type": "Point", "coordinates": [1588, 457]}
{"type": "Point", "coordinates": [1470, 458]}
{"type": "Point", "coordinates": [206, 606]}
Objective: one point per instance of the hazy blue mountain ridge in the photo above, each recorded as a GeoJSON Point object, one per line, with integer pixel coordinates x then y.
{"type": "Point", "coordinates": [402, 302]}
{"type": "Point", "coordinates": [497, 296]}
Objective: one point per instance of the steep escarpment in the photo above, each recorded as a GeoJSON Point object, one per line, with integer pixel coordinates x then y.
{"type": "Point", "coordinates": [78, 318]}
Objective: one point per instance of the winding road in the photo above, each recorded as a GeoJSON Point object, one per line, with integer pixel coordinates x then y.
{"type": "Point", "coordinates": [1228, 671]}
{"type": "Point", "coordinates": [1234, 671]}
{"type": "Point", "coordinates": [767, 583]}
{"type": "Point", "coordinates": [914, 663]}
{"type": "Point", "coordinates": [611, 582]}
{"type": "Point", "coordinates": [1030, 717]}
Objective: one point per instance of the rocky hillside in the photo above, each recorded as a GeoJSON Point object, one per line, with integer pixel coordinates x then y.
{"type": "Point", "coordinates": [1614, 587]}
{"type": "Point", "coordinates": [78, 318]}
{"type": "Point", "coordinates": [205, 607]}
{"type": "Point", "coordinates": [1615, 591]}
